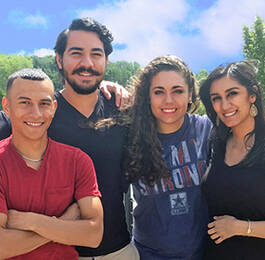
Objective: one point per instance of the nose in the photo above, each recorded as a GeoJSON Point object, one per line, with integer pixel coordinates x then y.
{"type": "Point", "coordinates": [86, 61]}
{"type": "Point", "coordinates": [225, 104]}
{"type": "Point", "coordinates": [35, 111]}
{"type": "Point", "coordinates": [168, 98]}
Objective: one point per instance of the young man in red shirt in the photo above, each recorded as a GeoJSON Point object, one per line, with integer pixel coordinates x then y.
{"type": "Point", "coordinates": [40, 179]}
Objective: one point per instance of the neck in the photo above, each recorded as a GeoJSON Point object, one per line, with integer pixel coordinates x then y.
{"type": "Point", "coordinates": [85, 104]}
{"type": "Point", "coordinates": [170, 128]}
{"type": "Point", "coordinates": [240, 132]}
{"type": "Point", "coordinates": [30, 150]}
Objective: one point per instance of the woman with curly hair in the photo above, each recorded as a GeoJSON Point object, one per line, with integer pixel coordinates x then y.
{"type": "Point", "coordinates": [235, 184]}
{"type": "Point", "coordinates": [165, 159]}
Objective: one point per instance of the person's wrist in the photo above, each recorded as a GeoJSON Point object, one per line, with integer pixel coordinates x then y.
{"type": "Point", "coordinates": [242, 227]}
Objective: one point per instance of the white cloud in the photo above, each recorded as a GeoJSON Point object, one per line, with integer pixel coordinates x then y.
{"type": "Point", "coordinates": [149, 28]}
{"type": "Point", "coordinates": [22, 53]}
{"type": "Point", "coordinates": [40, 52]}
{"type": "Point", "coordinates": [22, 19]}
{"type": "Point", "coordinates": [143, 26]}
{"type": "Point", "coordinates": [221, 25]}
{"type": "Point", "coordinates": [36, 20]}
{"type": "Point", "coordinates": [43, 52]}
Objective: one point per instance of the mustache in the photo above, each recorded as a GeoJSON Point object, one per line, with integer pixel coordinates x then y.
{"type": "Point", "coordinates": [83, 69]}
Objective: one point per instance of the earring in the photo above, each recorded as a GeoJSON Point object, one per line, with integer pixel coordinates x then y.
{"type": "Point", "coordinates": [190, 106]}
{"type": "Point", "coordinates": [217, 121]}
{"type": "Point", "coordinates": [253, 111]}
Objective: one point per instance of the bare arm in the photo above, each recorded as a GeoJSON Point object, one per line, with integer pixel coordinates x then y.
{"type": "Point", "coordinates": [26, 241]}
{"type": "Point", "coordinates": [16, 242]}
{"type": "Point", "coordinates": [85, 232]}
{"type": "Point", "coordinates": [224, 227]}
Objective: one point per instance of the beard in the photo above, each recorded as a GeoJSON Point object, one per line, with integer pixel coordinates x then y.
{"type": "Point", "coordinates": [85, 88]}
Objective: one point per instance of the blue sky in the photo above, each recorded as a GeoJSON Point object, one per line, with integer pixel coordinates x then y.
{"type": "Point", "coordinates": [204, 33]}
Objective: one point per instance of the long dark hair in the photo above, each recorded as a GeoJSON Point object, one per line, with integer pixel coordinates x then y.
{"type": "Point", "coordinates": [245, 74]}
{"type": "Point", "coordinates": [143, 155]}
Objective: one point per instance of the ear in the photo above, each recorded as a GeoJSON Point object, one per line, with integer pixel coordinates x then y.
{"type": "Point", "coordinates": [5, 105]}
{"type": "Point", "coordinates": [55, 105]}
{"type": "Point", "coordinates": [59, 61]}
{"type": "Point", "coordinates": [107, 61]}
{"type": "Point", "coordinates": [190, 97]}
{"type": "Point", "coordinates": [252, 98]}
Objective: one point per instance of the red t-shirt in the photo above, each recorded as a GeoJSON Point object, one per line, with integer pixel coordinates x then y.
{"type": "Point", "coordinates": [66, 175]}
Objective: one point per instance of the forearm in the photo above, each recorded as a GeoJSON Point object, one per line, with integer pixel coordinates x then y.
{"type": "Point", "coordinates": [251, 229]}
{"type": "Point", "coordinates": [15, 242]}
{"type": "Point", "coordinates": [86, 232]}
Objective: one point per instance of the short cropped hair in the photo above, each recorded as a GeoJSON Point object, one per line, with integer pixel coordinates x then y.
{"type": "Point", "coordinates": [28, 73]}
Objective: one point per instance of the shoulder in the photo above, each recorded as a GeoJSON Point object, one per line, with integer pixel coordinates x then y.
{"type": "Point", "coordinates": [4, 144]}
{"type": "Point", "coordinates": [200, 121]}
{"type": "Point", "coordinates": [5, 126]}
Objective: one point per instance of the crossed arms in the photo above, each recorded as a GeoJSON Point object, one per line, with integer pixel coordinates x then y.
{"type": "Point", "coordinates": [22, 232]}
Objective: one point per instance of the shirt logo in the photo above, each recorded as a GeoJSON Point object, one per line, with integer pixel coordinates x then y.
{"type": "Point", "coordinates": [179, 203]}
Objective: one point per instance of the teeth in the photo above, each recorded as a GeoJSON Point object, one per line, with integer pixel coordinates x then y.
{"type": "Point", "coordinates": [84, 74]}
{"type": "Point", "coordinates": [168, 110]}
{"type": "Point", "coordinates": [33, 124]}
{"type": "Point", "coordinates": [230, 114]}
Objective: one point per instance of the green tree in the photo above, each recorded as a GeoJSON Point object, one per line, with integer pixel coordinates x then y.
{"type": "Point", "coordinates": [10, 64]}
{"type": "Point", "coordinates": [202, 74]}
{"type": "Point", "coordinates": [121, 71]}
{"type": "Point", "coordinates": [200, 77]}
{"type": "Point", "coordinates": [254, 47]}
{"type": "Point", "coordinates": [48, 65]}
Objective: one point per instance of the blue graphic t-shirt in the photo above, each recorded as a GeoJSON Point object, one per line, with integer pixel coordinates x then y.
{"type": "Point", "coordinates": [171, 217]}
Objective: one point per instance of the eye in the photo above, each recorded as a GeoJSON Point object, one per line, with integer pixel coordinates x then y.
{"type": "Point", "coordinates": [178, 91]}
{"type": "Point", "coordinates": [24, 102]}
{"type": "Point", "coordinates": [232, 93]}
{"type": "Point", "coordinates": [45, 104]}
{"type": "Point", "coordinates": [158, 92]}
{"type": "Point", "coordinates": [75, 53]}
{"type": "Point", "coordinates": [215, 98]}
{"type": "Point", "coordinates": [97, 53]}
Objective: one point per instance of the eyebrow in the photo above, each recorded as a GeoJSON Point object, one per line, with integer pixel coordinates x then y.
{"type": "Point", "coordinates": [81, 49]}
{"type": "Point", "coordinates": [174, 87]}
{"type": "Point", "coordinates": [74, 49]}
{"type": "Point", "coordinates": [228, 90]}
{"type": "Point", "coordinates": [27, 98]}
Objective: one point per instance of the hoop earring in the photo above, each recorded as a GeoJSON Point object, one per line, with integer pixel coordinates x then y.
{"type": "Point", "coordinates": [217, 121]}
{"type": "Point", "coordinates": [253, 111]}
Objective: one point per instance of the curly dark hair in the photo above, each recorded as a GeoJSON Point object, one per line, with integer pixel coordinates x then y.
{"type": "Point", "coordinates": [245, 74]}
{"type": "Point", "coordinates": [143, 152]}
{"type": "Point", "coordinates": [88, 25]}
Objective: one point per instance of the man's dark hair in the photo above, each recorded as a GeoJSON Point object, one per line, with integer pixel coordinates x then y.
{"type": "Point", "coordinates": [88, 25]}
{"type": "Point", "coordinates": [28, 73]}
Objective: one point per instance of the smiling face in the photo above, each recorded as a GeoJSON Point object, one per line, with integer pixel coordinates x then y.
{"type": "Point", "coordinates": [232, 102]}
{"type": "Point", "coordinates": [30, 105]}
{"type": "Point", "coordinates": [83, 62]}
{"type": "Point", "coordinates": [169, 97]}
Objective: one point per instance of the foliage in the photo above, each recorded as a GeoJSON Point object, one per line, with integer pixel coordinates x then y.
{"type": "Point", "coordinates": [48, 65]}
{"type": "Point", "coordinates": [11, 63]}
{"type": "Point", "coordinates": [201, 110]}
{"type": "Point", "coordinates": [202, 74]}
{"type": "Point", "coordinates": [200, 77]}
{"type": "Point", "coordinates": [254, 47]}
{"type": "Point", "coordinates": [121, 71]}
